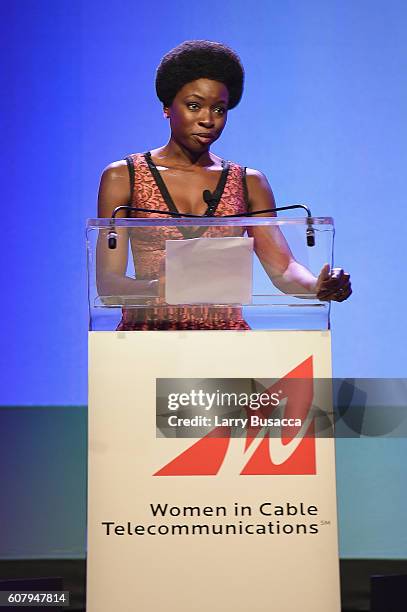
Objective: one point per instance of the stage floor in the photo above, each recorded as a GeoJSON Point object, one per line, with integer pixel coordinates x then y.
{"type": "Point", "coordinates": [355, 578]}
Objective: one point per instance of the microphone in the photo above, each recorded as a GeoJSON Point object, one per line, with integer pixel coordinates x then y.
{"type": "Point", "coordinates": [112, 238]}
{"type": "Point", "coordinates": [210, 201]}
{"type": "Point", "coordinates": [310, 234]}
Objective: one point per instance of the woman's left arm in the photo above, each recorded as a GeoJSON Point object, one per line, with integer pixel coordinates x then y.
{"type": "Point", "coordinates": [271, 247]}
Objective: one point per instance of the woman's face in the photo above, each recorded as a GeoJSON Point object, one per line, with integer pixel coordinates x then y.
{"type": "Point", "coordinates": [198, 114]}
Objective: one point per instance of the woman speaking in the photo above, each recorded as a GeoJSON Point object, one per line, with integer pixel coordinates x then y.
{"type": "Point", "coordinates": [198, 83]}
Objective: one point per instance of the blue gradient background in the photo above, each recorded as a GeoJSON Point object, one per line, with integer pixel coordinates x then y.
{"type": "Point", "coordinates": [323, 116]}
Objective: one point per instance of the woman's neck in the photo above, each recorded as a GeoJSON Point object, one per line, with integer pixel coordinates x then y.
{"type": "Point", "coordinates": [178, 155]}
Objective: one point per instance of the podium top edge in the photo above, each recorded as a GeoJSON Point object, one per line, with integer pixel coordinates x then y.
{"type": "Point", "coordinates": [208, 222]}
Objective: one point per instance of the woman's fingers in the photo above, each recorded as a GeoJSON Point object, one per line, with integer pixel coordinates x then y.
{"type": "Point", "coordinates": [343, 295]}
{"type": "Point", "coordinates": [333, 288]}
{"type": "Point", "coordinates": [337, 287]}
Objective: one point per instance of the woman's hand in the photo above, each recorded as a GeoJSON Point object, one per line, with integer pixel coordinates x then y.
{"type": "Point", "coordinates": [333, 285]}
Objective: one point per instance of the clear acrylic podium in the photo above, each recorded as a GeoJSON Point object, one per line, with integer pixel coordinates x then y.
{"type": "Point", "coordinates": [203, 493]}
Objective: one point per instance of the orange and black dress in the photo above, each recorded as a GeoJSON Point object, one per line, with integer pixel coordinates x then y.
{"type": "Point", "coordinates": [148, 246]}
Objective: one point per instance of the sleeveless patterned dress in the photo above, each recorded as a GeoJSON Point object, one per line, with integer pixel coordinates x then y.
{"type": "Point", "coordinates": [148, 247]}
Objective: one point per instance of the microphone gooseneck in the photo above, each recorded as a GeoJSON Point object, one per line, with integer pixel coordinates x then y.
{"type": "Point", "coordinates": [211, 202]}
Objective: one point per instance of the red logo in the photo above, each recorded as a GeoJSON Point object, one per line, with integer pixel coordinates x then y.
{"type": "Point", "coordinates": [291, 453]}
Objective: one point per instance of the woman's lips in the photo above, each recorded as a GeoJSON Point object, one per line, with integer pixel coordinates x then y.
{"type": "Point", "coordinates": [204, 138]}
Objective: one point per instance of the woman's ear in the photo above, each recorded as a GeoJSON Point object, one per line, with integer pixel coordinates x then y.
{"type": "Point", "coordinates": [166, 112]}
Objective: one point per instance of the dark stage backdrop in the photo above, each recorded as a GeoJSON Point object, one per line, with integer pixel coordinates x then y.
{"type": "Point", "coordinates": [322, 116]}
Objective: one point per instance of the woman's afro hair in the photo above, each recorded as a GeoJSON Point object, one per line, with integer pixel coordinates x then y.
{"type": "Point", "coordinates": [199, 59]}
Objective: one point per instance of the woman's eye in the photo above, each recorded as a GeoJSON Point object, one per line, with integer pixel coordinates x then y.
{"type": "Point", "coordinates": [193, 106]}
{"type": "Point", "coordinates": [220, 110]}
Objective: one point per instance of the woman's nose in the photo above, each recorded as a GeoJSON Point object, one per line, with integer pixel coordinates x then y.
{"type": "Point", "coordinates": [206, 118]}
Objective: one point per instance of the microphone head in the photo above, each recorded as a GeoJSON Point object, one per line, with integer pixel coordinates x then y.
{"type": "Point", "coordinates": [112, 240]}
{"type": "Point", "coordinates": [310, 237]}
{"type": "Point", "coordinates": [209, 201]}
{"type": "Point", "coordinates": [310, 241]}
{"type": "Point", "coordinates": [207, 197]}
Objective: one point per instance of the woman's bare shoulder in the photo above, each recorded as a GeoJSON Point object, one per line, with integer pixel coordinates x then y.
{"type": "Point", "coordinates": [255, 175]}
{"type": "Point", "coordinates": [117, 169]}
{"type": "Point", "coordinates": [260, 193]}
{"type": "Point", "coordinates": [114, 189]}
{"type": "Point", "coordinates": [257, 180]}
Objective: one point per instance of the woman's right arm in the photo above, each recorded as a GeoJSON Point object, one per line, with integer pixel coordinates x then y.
{"type": "Point", "coordinates": [111, 264]}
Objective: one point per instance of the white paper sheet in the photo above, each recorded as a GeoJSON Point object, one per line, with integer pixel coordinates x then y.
{"type": "Point", "coordinates": [209, 271]}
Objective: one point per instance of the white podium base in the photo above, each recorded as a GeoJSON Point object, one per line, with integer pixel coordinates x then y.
{"type": "Point", "coordinates": [181, 525]}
